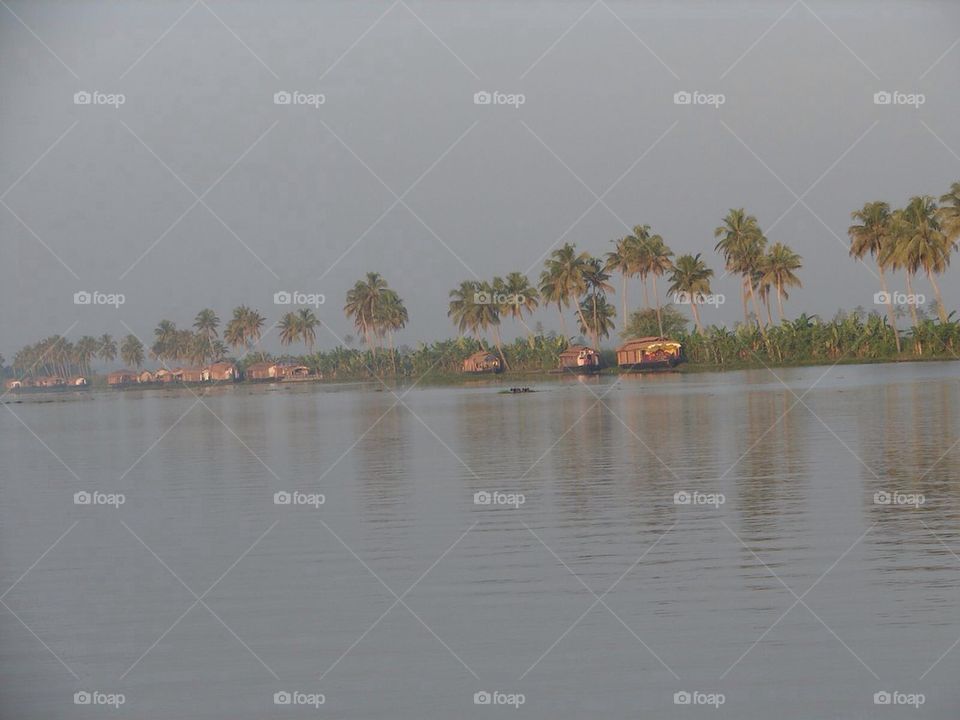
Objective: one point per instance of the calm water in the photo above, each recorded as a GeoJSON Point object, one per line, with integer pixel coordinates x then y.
{"type": "Point", "coordinates": [598, 596]}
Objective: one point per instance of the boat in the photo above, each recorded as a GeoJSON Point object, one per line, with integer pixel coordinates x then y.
{"type": "Point", "coordinates": [650, 353]}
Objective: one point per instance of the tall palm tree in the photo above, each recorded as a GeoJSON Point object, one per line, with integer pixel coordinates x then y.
{"type": "Point", "coordinates": [84, 351]}
{"type": "Point", "coordinates": [657, 262]}
{"type": "Point", "coordinates": [206, 323]}
{"type": "Point", "coordinates": [950, 215]}
{"type": "Point", "coordinates": [742, 243]}
{"type": "Point", "coordinates": [164, 346]}
{"type": "Point", "coordinates": [131, 351]}
{"type": "Point", "coordinates": [363, 300]}
{"type": "Point", "coordinates": [926, 246]}
{"type": "Point", "coordinates": [521, 296]}
{"type": "Point", "coordinates": [392, 317]}
{"type": "Point", "coordinates": [872, 236]}
{"type": "Point", "coordinates": [624, 260]}
{"type": "Point", "coordinates": [596, 317]}
{"type": "Point", "coordinates": [778, 270]}
{"type": "Point", "coordinates": [562, 280]}
{"type": "Point", "coordinates": [307, 325]}
{"type": "Point", "coordinates": [108, 348]}
{"type": "Point", "coordinates": [488, 314]}
{"type": "Point", "coordinates": [289, 329]}
{"type": "Point", "coordinates": [691, 276]}
{"type": "Point", "coordinates": [892, 255]}
{"type": "Point", "coordinates": [463, 307]}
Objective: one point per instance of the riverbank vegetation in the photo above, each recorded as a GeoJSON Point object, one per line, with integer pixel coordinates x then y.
{"type": "Point", "coordinates": [915, 240]}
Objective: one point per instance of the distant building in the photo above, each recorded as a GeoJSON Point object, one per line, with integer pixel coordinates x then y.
{"type": "Point", "coordinates": [188, 374]}
{"type": "Point", "coordinates": [262, 371]}
{"type": "Point", "coordinates": [122, 377]}
{"type": "Point", "coordinates": [146, 377]}
{"type": "Point", "coordinates": [12, 384]}
{"type": "Point", "coordinates": [579, 358]}
{"type": "Point", "coordinates": [220, 372]}
{"type": "Point", "coordinates": [649, 352]}
{"type": "Point", "coordinates": [482, 362]}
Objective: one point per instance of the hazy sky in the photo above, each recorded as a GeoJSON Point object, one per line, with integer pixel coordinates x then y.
{"type": "Point", "coordinates": [305, 197]}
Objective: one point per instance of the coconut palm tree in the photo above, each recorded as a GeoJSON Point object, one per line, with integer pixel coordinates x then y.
{"type": "Point", "coordinates": [742, 243]}
{"type": "Point", "coordinates": [206, 323]}
{"type": "Point", "coordinates": [521, 296]}
{"type": "Point", "coordinates": [463, 307]}
{"type": "Point", "coordinates": [872, 236]}
{"type": "Point", "coordinates": [777, 270]}
{"type": "Point", "coordinates": [596, 317]}
{"type": "Point", "coordinates": [656, 263]}
{"type": "Point", "coordinates": [131, 351]}
{"type": "Point", "coordinates": [108, 348]}
{"type": "Point", "coordinates": [84, 351]}
{"type": "Point", "coordinates": [691, 276]}
{"type": "Point", "coordinates": [926, 246]}
{"type": "Point", "coordinates": [393, 316]}
{"type": "Point", "coordinates": [625, 261]}
{"type": "Point", "coordinates": [562, 280]}
{"type": "Point", "coordinates": [950, 215]}
{"type": "Point", "coordinates": [289, 329]}
{"type": "Point", "coordinates": [892, 254]}
{"type": "Point", "coordinates": [307, 326]}
{"type": "Point", "coordinates": [363, 300]}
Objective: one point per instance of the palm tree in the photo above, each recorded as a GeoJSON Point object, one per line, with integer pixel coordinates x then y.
{"type": "Point", "coordinates": [289, 329]}
{"type": "Point", "coordinates": [657, 262]}
{"type": "Point", "coordinates": [164, 340]}
{"type": "Point", "coordinates": [562, 280]}
{"type": "Point", "coordinates": [521, 296]}
{"type": "Point", "coordinates": [950, 215]}
{"type": "Point", "coordinates": [892, 254]}
{"type": "Point", "coordinates": [742, 243]}
{"type": "Point", "coordinates": [596, 317]}
{"type": "Point", "coordinates": [463, 306]}
{"type": "Point", "coordinates": [691, 276]}
{"type": "Point", "coordinates": [625, 261]}
{"type": "Point", "coordinates": [307, 325]}
{"type": "Point", "coordinates": [392, 316]}
{"type": "Point", "coordinates": [872, 236]}
{"type": "Point", "coordinates": [206, 323]}
{"type": "Point", "coordinates": [84, 351]}
{"type": "Point", "coordinates": [131, 351]}
{"type": "Point", "coordinates": [108, 348]}
{"type": "Point", "coordinates": [777, 270]}
{"type": "Point", "coordinates": [488, 313]}
{"type": "Point", "coordinates": [363, 300]}
{"type": "Point", "coordinates": [926, 246]}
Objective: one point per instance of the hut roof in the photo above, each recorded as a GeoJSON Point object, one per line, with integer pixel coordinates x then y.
{"type": "Point", "coordinates": [122, 373]}
{"type": "Point", "coordinates": [482, 354]}
{"type": "Point", "coordinates": [645, 342]}
{"type": "Point", "coordinates": [577, 349]}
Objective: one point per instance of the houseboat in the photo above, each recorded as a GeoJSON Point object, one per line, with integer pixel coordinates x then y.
{"type": "Point", "coordinates": [482, 362]}
{"type": "Point", "coordinates": [122, 377]}
{"type": "Point", "coordinates": [579, 359]}
{"type": "Point", "coordinates": [650, 353]}
{"type": "Point", "coordinates": [220, 372]}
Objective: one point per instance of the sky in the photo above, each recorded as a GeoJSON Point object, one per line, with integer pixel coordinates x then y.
{"type": "Point", "coordinates": [182, 184]}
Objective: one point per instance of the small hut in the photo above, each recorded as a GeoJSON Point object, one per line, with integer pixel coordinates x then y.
{"type": "Point", "coordinates": [121, 377]}
{"type": "Point", "coordinates": [482, 362]}
{"type": "Point", "coordinates": [261, 371]}
{"type": "Point", "coordinates": [220, 372]}
{"type": "Point", "coordinates": [77, 381]}
{"type": "Point", "coordinates": [579, 358]}
{"type": "Point", "coordinates": [146, 377]}
{"type": "Point", "coordinates": [163, 375]}
{"type": "Point", "coordinates": [293, 372]}
{"type": "Point", "coordinates": [188, 374]}
{"type": "Point", "coordinates": [649, 352]}
{"type": "Point", "coordinates": [48, 381]}
{"type": "Point", "coordinates": [12, 384]}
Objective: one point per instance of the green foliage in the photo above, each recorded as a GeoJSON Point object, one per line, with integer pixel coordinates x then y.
{"type": "Point", "coordinates": [643, 323]}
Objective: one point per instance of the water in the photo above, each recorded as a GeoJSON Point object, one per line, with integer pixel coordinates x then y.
{"type": "Point", "coordinates": [698, 598]}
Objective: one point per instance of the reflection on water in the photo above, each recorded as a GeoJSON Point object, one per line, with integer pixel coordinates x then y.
{"type": "Point", "coordinates": [692, 596]}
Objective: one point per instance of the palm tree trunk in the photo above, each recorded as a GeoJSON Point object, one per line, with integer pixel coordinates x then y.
{"type": "Point", "coordinates": [743, 299]}
{"type": "Point", "coordinates": [890, 313]}
{"type": "Point", "coordinates": [696, 315]}
{"type": "Point", "coordinates": [563, 323]}
{"type": "Point", "coordinates": [780, 300]}
{"type": "Point", "coordinates": [496, 337]}
{"type": "Point", "coordinates": [656, 296]}
{"type": "Point", "coordinates": [624, 297]}
{"type": "Point", "coordinates": [766, 301]}
{"type": "Point", "coordinates": [912, 305]}
{"type": "Point", "coordinates": [936, 293]}
{"type": "Point", "coordinates": [646, 300]}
